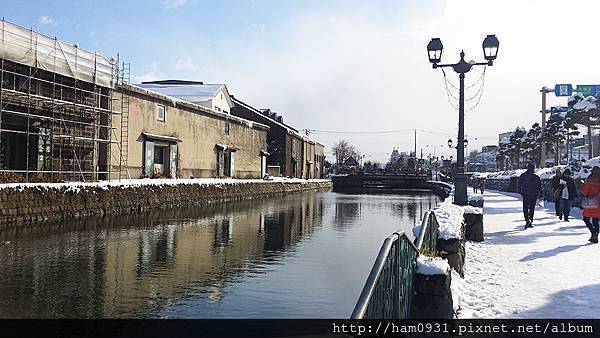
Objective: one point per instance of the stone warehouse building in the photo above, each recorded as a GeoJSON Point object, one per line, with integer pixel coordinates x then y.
{"type": "Point", "coordinates": [55, 108]}
{"type": "Point", "coordinates": [70, 114]}
{"type": "Point", "coordinates": [295, 155]}
{"type": "Point", "coordinates": [168, 136]}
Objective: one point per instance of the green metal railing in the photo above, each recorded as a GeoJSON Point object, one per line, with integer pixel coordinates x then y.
{"type": "Point", "coordinates": [427, 239]}
{"type": "Point", "coordinates": [388, 292]}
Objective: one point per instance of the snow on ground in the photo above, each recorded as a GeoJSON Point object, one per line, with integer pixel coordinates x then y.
{"type": "Point", "coordinates": [549, 271]}
{"type": "Point", "coordinates": [76, 186]}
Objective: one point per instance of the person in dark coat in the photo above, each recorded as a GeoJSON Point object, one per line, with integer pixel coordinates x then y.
{"type": "Point", "coordinates": [556, 192]}
{"type": "Point", "coordinates": [481, 184]}
{"type": "Point", "coordinates": [530, 188]}
{"type": "Point", "coordinates": [567, 194]}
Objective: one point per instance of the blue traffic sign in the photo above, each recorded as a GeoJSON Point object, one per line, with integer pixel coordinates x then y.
{"type": "Point", "coordinates": [563, 90]}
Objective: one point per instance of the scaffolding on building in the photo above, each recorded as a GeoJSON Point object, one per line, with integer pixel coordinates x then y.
{"type": "Point", "coordinates": [56, 109]}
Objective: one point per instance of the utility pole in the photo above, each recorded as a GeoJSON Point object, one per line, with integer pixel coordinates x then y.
{"type": "Point", "coordinates": [544, 91]}
{"type": "Point", "coordinates": [415, 143]}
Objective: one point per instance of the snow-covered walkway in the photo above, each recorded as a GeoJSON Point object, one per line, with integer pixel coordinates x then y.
{"type": "Point", "coordinates": [549, 271]}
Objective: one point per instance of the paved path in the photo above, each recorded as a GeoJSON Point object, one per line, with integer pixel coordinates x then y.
{"type": "Point", "coordinates": [549, 271]}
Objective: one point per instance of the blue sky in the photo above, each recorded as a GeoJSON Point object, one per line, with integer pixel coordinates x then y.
{"type": "Point", "coordinates": [343, 65]}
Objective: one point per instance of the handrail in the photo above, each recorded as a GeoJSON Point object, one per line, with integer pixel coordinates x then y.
{"type": "Point", "coordinates": [429, 226]}
{"type": "Point", "coordinates": [387, 272]}
{"type": "Point", "coordinates": [369, 288]}
{"type": "Point", "coordinates": [424, 223]}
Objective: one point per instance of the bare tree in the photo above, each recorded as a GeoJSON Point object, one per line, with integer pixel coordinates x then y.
{"type": "Point", "coordinates": [342, 150]}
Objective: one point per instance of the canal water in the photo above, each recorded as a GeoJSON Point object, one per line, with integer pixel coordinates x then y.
{"type": "Point", "coordinates": [299, 256]}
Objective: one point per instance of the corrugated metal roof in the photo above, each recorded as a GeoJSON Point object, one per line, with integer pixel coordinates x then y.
{"type": "Point", "coordinates": [189, 92]}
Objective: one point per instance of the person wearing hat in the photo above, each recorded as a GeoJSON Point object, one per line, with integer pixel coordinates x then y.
{"type": "Point", "coordinates": [530, 188]}
{"type": "Point", "coordinates": [591, 188]}
{"type": "Point", "coordinates": [567, 194]}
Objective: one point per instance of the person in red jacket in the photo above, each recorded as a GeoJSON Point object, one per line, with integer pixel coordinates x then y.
{"type": "Point", "coordinates": [591, 188]}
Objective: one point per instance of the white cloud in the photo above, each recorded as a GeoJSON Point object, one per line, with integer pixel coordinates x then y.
{"type": "Point", "coordinates": [151, 73]}
{"type": "Point", "coordinates": [173, 3]}
{"type": "Point", "coordinates": [367, 68]}
{"type": "Point", "coordinates": [185, 64]}
{"type": "Point", "coordinates": [46, 20]}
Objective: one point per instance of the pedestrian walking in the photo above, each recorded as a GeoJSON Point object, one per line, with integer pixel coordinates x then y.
{"type": "Point", "coordinates": [530, 188]}
{"type": "Point", "coordinates": [567, 195]}
{"type": "Point", "coordinates": [482, 184]}
{"type": "Point", "coordinates": [474, 183]}
{"type": "Point", "coordinates": [591, 191]}
{"type": "Point", "coordinates": [557, 192]}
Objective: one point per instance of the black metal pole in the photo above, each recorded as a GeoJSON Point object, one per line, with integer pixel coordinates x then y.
{"type": "Point", "coordinates": [460, 185]}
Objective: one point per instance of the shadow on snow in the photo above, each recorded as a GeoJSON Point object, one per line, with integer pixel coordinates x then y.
{"type": "Point", "coordinates": [551, 252]}
{"type": "Point", "coordinates": [580, 302]}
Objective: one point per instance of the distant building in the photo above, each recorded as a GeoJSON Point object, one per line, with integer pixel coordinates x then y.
{"type": "Point", "coordinates": [295, 155]}
{"type": "Point", "coordinates": [486, 158]}
{"type": "Point", "coordinates": [504, 137]}
{"type": "Point", "coordinates": [171, 137]}
{"type": "Point", "coordinates": [351, 162]}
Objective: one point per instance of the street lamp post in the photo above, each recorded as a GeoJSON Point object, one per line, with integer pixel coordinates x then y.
{"type": "Point", "coordinates": [490, 52]}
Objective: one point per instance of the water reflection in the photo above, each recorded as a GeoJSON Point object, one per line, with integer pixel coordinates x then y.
{"type": "Point", "coordinates": [243, 259]}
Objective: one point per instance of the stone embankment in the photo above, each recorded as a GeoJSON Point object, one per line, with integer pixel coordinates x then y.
{"type": "Point", "coordinates": [31, 203]}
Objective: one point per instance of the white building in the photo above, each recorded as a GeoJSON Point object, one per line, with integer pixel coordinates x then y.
{"type": "Point", "coordinates": [212, 96]}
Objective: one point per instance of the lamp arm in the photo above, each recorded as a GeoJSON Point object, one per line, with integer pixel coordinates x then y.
{"type": "Point", "coordinates": [445, 65]}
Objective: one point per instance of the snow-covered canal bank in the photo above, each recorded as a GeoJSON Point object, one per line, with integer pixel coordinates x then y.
{"type": "Point", "coordinates": [549, 271]}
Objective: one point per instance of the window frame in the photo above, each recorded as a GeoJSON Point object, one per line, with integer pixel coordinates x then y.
{"type": "Point", "coordinates": [164, 113]}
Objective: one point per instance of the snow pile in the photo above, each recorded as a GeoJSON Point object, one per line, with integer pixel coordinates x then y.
{"type": "Point", "coordinates": [473, 210]}
{"type": "Point", "coordinates": [547, 173]}
{"type": "Point", "coordinates": [136, 183]}
{"type": "Point", "coordinates": [592, 162]}
{"type": "Point", "coordinates": [432, 265]}
{"type": "Point", "coordinates": [518, 172]}
{"type": "Point", "coordinates": [457, 287]}
{"type": "Point", "coordinates": [450, 219]}
{"type": "Point", "coordinates": [475, 198]}
{"type": "Point", "coordinates": [502, 175]}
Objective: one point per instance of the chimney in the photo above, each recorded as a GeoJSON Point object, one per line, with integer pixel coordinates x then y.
{"type": "Point", "coordinates": [279, 119]}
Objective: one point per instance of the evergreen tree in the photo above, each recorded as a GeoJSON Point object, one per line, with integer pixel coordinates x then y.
{"type": "Point", "coordinates": [585, 111]}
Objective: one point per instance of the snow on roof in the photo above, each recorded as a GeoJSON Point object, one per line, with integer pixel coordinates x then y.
{"type": "Point", "coordinates": [189, 92]}
{"type": "Point", "coordinates": [432, 265]}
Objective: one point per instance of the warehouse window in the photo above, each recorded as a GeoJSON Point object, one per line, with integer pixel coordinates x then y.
{"type": "Point", "coordinates": [160, 113]}
{"type": "Point", "coordinates": [226, 127]}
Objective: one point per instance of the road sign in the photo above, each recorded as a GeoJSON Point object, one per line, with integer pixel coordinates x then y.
{"type": "Point", "coordinates": [588, 90]}
{"type": "Point", "coordinates": [563, 90]}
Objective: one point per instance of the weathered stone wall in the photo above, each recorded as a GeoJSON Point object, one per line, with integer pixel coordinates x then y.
{"type": "Point", "coordinates": [433, 297]}
{"type": "Point", "coordinates": [454, 251]}
{"type": "Point", "coordinates": [28, 205]}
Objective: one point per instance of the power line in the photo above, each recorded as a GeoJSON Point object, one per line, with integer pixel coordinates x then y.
{"type": "Point", "coordinates": [402, 131]}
